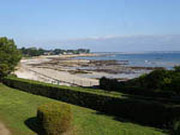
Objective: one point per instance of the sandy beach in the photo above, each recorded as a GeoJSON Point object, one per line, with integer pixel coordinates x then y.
{"type": "Point", "coordinates": [46, 69]}
{"type": "Point", "coordinates": [65, 70]}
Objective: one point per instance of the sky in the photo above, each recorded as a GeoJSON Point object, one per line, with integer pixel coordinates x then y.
{"type": "Point", "coordinates": [100, 25]}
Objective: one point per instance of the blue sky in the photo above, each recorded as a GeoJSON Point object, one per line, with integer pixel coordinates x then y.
{"type": "Point", "coordinates": [89, 23]}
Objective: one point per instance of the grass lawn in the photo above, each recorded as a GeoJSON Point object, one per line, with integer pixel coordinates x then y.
{"type": "Point", "coordinates": [17, 108]}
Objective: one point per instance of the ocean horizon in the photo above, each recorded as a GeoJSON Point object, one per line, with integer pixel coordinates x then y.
{"type": "Point", "coordinates": [166, 59]}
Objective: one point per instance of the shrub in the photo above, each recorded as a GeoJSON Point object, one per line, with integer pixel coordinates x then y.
{"type": "Point", "coordinates": [108, 84]}
{"type": "Point", "coordinates": [159, 83]}
{"type": "Point", "coordinates": [176, 85]}
{"type": "Point", "coordinates": [54, 118]}
{"type": "Point", "coordinates": [177, 68]}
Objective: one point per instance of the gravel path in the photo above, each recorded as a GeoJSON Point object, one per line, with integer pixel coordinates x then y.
{"type": "Point", "coordinates": [4, 130]}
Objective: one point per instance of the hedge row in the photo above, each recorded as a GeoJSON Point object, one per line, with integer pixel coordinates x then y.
{"type": "Point", "coordinates": [142, 111]}
{"type": "Point", "coordinates": [158, 83]}
{"type": "Point", "coordinates": [108, 84]}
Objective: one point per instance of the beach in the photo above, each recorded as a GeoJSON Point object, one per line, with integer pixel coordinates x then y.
{"type": "Point", "coordinates": [66, 70]}
{"type": "Point", "coordinates": [48, 69]}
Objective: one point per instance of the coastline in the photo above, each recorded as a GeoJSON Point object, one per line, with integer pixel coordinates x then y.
{"type": "Point", "coordinates": [27, 69]}
{"type": "Point", "coordinates": [65, 70]}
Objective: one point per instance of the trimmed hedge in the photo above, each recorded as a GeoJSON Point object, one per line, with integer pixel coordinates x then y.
{"type": "Point", "coordinates": [142, 111]}
{"type": "Point", "coordinates": [54, 118]}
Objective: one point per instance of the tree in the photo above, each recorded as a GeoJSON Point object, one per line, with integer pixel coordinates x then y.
{"type": "Point", "coordinates": [9, 56]}
{"type": "Point", "coordinates": [177, 68]}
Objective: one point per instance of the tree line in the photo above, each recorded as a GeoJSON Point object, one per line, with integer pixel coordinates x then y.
{"type": "Point", "coordinates": [33, 51]}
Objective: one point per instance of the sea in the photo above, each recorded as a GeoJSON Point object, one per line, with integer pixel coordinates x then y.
{"type": "Point", "coordinates": [144, 59]}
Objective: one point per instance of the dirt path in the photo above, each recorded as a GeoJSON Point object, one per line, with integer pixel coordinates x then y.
{"type": "Point", "coordinates": [4, 130]}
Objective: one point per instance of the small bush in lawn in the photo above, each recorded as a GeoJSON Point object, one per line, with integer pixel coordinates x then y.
{"type": "Point", "coordinates": [54, 118]}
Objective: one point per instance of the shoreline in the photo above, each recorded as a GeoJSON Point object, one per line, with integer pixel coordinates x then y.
{"type": "Point", "coordinates": [64, 70]}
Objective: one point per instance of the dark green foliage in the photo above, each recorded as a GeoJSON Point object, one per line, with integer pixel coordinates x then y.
{"type": "Point", "coordinates": [139, 110]}
{"type": "Point", "coordinates": [177, 68]}
{"type": "Point", "coordinates": [175, 127]}
{"type": "Point", "coordinates": [9, 56]}
{"type": "Point", "coordinates": [33, 51]}
{"type": "Point", "coordinates": [156, 79]}
{"type": "Point", "coordinates": [108, 84]}
{"type": "Point", "coordinates": [134, 87]}
{"type": "Point", "coordinates": [160, 82]}
{"type": "Point", "coordinates": [175, 84]}
{"type": "Point", "coordinates": [54, 118]}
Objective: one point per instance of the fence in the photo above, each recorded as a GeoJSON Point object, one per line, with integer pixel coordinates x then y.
{"type": "Point", "coordinates": [71, 82]}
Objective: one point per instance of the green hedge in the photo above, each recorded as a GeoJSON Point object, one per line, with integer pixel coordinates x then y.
{"type": "Point", "coordinates": [133, 87]}
{"type": "Point", "coordinates": [54, 118]}
{"type": "Point", "coordinates": [142, 111]}
{"type": "Point", "coordinates": [159, 83]}
{"type": "Point", "coordinates": [176, 128]}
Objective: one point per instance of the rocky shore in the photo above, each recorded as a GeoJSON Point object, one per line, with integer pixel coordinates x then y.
{"type": "Point", "coordinates": [66, 70]}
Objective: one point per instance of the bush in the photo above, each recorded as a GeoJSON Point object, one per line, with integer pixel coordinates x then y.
{"type": "Point", "coordinates": [137, 86]}
{"type": "Point", "coordinates": [177, 68]}
{"type": "Point", "coordinates": [159, 83]}
{"type": "Point", "coordinates": [54, 118]}
{"type": "Point", "coordinates": [175, 127]}
{"type": "Point", "coordinates": [108, 84]}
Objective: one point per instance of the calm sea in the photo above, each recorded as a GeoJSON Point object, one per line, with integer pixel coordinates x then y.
{"type": "Point", "coordinates": [167, 60]}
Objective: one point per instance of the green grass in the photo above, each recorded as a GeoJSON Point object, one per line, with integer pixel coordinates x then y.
{"type": "Point", "coordinates": [16, 107]}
